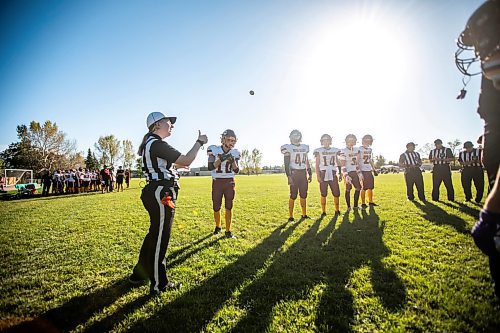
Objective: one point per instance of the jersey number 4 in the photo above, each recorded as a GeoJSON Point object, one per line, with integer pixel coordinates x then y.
{"type": "Point", "coordinates": [332, 160]}
{"type": "Point", "coordinates": [300, 160]}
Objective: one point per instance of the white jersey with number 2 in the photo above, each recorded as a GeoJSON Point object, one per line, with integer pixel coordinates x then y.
{"type": "Point", "coordinates": [366, 158]}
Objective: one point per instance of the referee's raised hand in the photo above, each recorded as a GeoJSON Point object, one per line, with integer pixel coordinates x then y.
{"type": "Point", "coordinates": [202, 138]}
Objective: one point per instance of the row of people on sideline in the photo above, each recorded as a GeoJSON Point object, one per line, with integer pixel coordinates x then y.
{"type": "Point", "coordinates": [85, 180]}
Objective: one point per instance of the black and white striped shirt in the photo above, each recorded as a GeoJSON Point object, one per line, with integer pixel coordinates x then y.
{"type": "Point", "coordinates": [440, 154]}
{"type": "Point", "coordinates": [157, 159]}
{"type": "Point", "coordinates": [474, 156]}
{"type": "Point", "coordinates": [410, 159]}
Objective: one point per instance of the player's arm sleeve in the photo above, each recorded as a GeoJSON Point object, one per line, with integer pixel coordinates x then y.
{"type": "Point", "coordinates": [287, 165]}
{"type": "Point", "coordinates": [236, 164]}
{"type": "Point", "coordinates": [165, 151]}
{"type": "Point", "coordinates": [211, 158]}
{"type": "Point", "coordinates": [309, 170]}
{"type": "Point", "coordinates": [284, 150]}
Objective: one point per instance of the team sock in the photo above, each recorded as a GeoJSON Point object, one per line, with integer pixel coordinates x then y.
{"type": "Point", "coordinates": [303, 206]}
{"type": "Point", "coordinates": [291, 203]}
{"type": "Point", "coordinates": [370, 195]}
{"type": "Point", "coordinates": [217, 218]}
{"type": "Point", "coordinates": [363, 201]}
{"type": "Point", "coordinates": [228, 218]}
{"type": "Point", "coordinates": [356, 198]}
{"type": "Point", "coordinates": [323, 204]}
{"type": "Point", "coordinates": [348, 198]}
{"type": "Point", "coordinates": [336, 203]}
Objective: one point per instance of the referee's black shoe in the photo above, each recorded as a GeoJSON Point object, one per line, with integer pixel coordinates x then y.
{"type": "Point", "coordinates": [136, 280]}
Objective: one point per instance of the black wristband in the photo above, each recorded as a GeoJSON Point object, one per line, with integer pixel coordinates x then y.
{"type": "Point", "coordinates": [200, 142]}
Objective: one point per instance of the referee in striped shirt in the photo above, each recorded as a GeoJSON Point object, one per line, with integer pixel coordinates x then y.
{"type": "Point", "coordinates": [159, 197]}
{"type": "Point", "coordinates": [410, 160]}
{"type": "Point", "coordinates": [472, 171]}
{"type": "Point", "coordinates": [441, 172]}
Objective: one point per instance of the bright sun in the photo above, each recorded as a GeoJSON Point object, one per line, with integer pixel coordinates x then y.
{"type": "Point", "coordinates": [356, 65]}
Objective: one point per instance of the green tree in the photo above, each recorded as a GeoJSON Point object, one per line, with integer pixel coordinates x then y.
{"type": "Point", "coordinates": [50, 144]}
{"type": "Point", "coordinates": [128, 154]}
{"type": "Point", "coordinates": [138, 167]}
{"type": "Point", "coordinates": [40, 147]}
{"type": "Point", "coordinates": [256, 159]}
{"type": "Point", "coordinates": [379, 161]}
{"type": "Point", "coordinates": [91, 162]}
{"type": "Point", "coordinates": [454, 145]}
{"type": "Point", "coordinates": [246, 162]}
{"type": "Point", "coordinates": [108, 148]}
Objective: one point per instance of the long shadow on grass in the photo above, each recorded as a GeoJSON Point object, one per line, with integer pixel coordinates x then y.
{"type": "Point", "coordinates": [193, 310]}
{"type": "Point", "coordinates": [471, 211]}
{"type": "Point", "coordinates": [439, 216]}
{"type": "Point", "coordinates": [322, 258]}
{"type": "Point", "coordinates": [76, 311]}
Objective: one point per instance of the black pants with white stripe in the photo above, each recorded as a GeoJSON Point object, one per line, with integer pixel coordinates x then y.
{"type": "Point", "coordinates": [442, 173]}
{"type": "Point", "coordinates": [413, 176]}
{"type": "Point", "coordinates": [476, 175]}
{"type": "Point", "coordinates": [152, 261]}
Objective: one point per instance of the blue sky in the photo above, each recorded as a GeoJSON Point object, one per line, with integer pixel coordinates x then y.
{"type": "Point", "coordinates": [338, 67]}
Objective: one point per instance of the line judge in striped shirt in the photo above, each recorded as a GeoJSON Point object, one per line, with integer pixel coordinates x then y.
{"type": "Point", "coordinates": [410, 160]}
{"type": "Point", "coordinates": [441, 172]}
{"type": "Point", "coordinates": [472, 170]}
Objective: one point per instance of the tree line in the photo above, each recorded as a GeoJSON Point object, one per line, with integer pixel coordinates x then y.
{"type": "Point", "coordinates": [45, 147]}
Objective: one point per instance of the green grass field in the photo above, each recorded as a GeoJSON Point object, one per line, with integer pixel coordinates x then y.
{"type": "Point", "coordinates": [402, 266]}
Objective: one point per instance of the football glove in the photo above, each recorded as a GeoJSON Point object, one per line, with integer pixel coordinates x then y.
{"type": "Point", "coordinates": [375, 173]}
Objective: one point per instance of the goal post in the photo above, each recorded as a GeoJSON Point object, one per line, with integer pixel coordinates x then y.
{"type": "Point", "coordinates": [13, 177]}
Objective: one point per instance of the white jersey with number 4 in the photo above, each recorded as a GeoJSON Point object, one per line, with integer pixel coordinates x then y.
{"type": "Point", "coordinates": [298, 155]}
{"type": "Point", "coordinates": [351, 158]}
{"type": "Point", "coordinates": [225, 169]}
{"type": "Point", "coordinates": [366, 158]}
{"type": "Point", "coordinates": [327, 157]}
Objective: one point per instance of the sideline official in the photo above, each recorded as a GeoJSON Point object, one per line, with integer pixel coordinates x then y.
{"type": "Point", "coordinates": [472, 171]}
{"type": "Point", "coordinates": [441, 172]}
{"type": "Point", "coordinates": [410, 160]}
{"type": "Point", "coordinates": [159, 197]}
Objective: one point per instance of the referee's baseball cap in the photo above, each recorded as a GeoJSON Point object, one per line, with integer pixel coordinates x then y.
{"type": "Point", "coordinates": [153, 117]}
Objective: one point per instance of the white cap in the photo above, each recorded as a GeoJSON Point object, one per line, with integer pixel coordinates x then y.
{"type": "Point", "coordinates": [153, 117]}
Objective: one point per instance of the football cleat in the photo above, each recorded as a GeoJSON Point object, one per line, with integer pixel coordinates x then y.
{"type": "Point", "coordinates": [323, 214]}
{"type": "Point", "coordinates": [364, 206]}
{"type": "Point", "coordinates": [217, 230]}
{"type": "Point", "coordinates": [291, 219]}
{"type": "Point", "coordinates": [373, 204]}
{"type": "Point", "coordinates": [229, 234]}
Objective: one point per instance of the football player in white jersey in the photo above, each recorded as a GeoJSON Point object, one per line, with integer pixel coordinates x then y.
{"type": "Point", "coordinates": [326, 172]}
{"type": "Point", "coordinates": [223, 162]}
{"type": "Point", "coordinates": [349, 161]}
{"type": "Point", "coordinates": [368, 170]}
{"type": "Point", "coordinates": [298, 171]}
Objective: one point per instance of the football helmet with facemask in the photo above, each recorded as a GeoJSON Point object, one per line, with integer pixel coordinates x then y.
{"type": "Point", "coordinates": [295, 137]}
{"type": "Point", "coordinates": [228, 139]}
